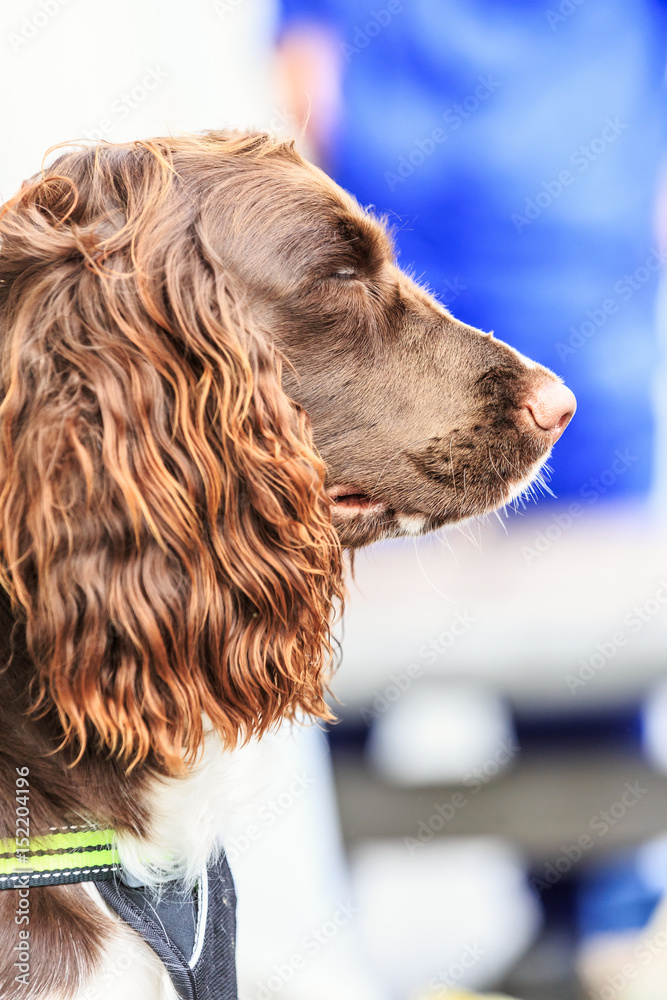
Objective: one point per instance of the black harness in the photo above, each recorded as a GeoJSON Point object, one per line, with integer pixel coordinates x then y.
{"type": "Point", "coordinates": [194, 935]}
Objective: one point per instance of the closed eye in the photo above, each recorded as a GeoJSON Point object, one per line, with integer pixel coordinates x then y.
{"type": "Point", "coordinates": [345, 274]}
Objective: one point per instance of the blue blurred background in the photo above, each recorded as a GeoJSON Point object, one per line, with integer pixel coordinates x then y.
{"type": "Point", "coordinates": [459, 120]}
{"type": "Point", "coordinates": [490, 811]}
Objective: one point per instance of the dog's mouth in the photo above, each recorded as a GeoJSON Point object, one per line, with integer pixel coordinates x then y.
{"type": "Point", "coordinates": [349, 501]}
{"type": "Point", "coordinates": [361, 517]}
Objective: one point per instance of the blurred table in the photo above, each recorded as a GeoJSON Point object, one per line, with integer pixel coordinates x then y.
{"type": "Point", "coordinates": [559, 608]}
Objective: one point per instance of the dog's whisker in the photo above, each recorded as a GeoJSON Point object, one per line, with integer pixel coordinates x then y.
{"type": "Point", "coordinates": [500, 521]}
{"type": "Point", "coordinates": [428, 579]}
{"type": "Point", "coordinates": [443, 537]}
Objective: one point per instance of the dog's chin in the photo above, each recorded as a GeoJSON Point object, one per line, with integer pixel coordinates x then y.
{"type": "Point", "coordinates": [363, 527]}
{"type": "Point", "coordinates": [360, 523]}
{"type": "Point", "coordinates": [361, 520]}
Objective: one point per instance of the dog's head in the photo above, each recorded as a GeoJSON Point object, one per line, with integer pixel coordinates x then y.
{"type": "Point", "coordinates": [422, 421]}
{"type": "Point", "coordinates": [175, 317]}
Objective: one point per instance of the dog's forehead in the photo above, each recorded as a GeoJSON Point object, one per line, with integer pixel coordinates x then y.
{"type": "Point", "coordinates": [286, 220]}
{"type": "Point", "coordinates": [333, 223]}
{"type": "Point", "coordinates": [310, 204]}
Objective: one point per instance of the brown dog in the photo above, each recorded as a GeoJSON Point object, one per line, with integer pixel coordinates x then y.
{"type": "Point", "coordinates": [176, 315]}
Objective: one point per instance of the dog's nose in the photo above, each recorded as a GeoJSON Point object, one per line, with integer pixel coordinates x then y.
{"type": "Point", "coordinates": [551, 405]}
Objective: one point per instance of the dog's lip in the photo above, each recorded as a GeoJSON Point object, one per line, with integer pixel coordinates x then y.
{"type": "Point", "coordinates": [350, 500]}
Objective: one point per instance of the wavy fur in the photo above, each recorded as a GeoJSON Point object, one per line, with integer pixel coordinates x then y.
{"type": "Point", "coordinates": [163, 527]}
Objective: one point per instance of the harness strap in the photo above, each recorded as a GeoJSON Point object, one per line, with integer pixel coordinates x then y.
{"type": "Point", "coordinates": [194, 934]}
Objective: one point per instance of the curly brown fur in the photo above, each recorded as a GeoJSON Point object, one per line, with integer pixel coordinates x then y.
{"type": "Point", "coordinates": [163, 524]}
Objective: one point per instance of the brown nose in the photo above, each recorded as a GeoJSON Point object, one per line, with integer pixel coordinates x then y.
{"type": "Point", "coordinates": [551, 405]}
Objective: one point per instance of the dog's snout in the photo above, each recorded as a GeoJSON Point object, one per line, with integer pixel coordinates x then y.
{"type": "Point", "coordinates": [551, 405]}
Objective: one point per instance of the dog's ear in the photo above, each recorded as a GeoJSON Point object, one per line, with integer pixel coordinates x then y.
{"type": "Point", "coordinates": [163, 525]}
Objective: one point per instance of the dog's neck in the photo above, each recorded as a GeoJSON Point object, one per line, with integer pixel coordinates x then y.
{"type": "Point", "coordinates": [188, 815]}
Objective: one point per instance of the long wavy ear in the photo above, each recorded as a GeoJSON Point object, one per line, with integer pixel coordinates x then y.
{"type": "Point", "coordinates": [163, 526]}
